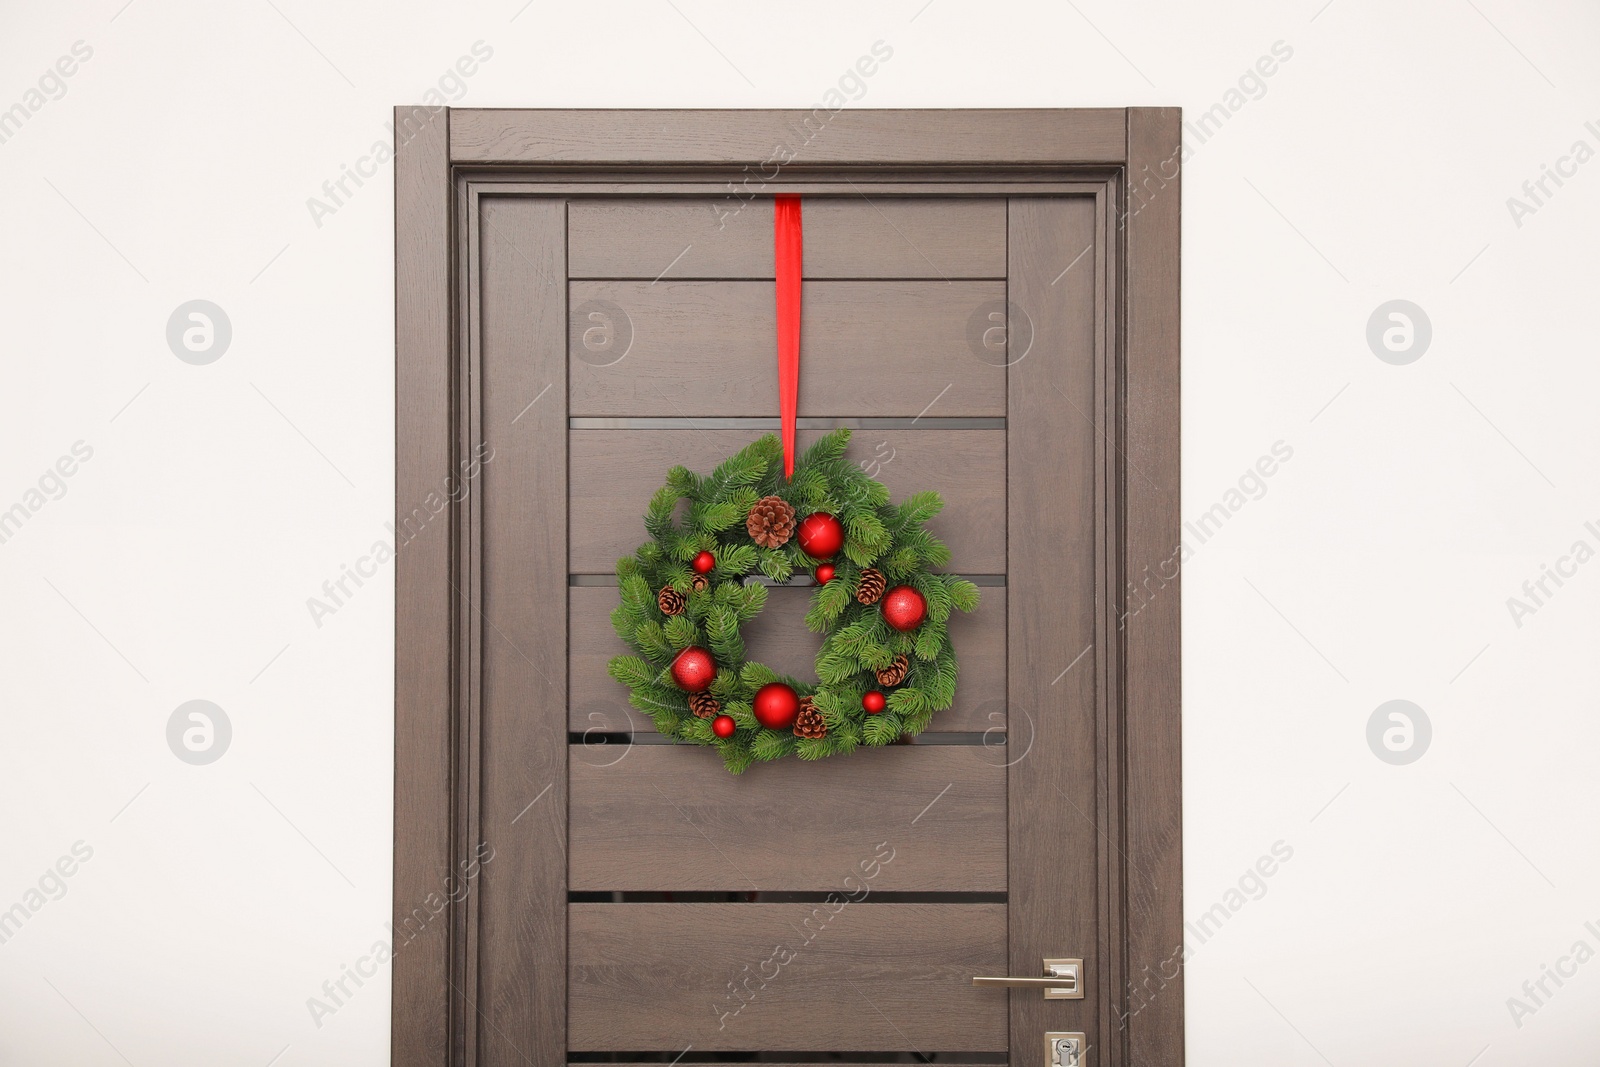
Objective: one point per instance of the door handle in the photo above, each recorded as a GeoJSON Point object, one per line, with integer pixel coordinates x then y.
{"type": "Point", "coordinates": [1062, 980]}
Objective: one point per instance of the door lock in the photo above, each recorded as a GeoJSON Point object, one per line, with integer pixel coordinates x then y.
{"type": "Point", "coordinates": [1062, 980]}
{"type": "Point", "coordinates": [1065, 1050]}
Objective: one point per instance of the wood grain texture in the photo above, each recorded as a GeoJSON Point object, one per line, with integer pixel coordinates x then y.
{"type": "Point", "coordinates": [849, 135]}
{"type": "Point", "coordinates": [1052, 604]}
{"type": "Point", "coordinates": [863, 977]}
{"type": "Point", "coordinates": [778, 637]}
{"type": "Point", "coordinates": [419, 1024]}
{"type": "Point", "coordinates": [615, 472]}
{"type": "Point", "coordinates": [668, 818]}
{"type": "Point", "coordinates": [706, 348]}
{"type": "Point", "coordinates": [1110, 977]}
{"type": "Point", "coordinates": [467, 536]}
{"type": "Point", "coordinates": [854, 237]}
{"type": "Point", "coordinates": [1153, 635]}
{"type": "Point", "coordinates": [521, 897]}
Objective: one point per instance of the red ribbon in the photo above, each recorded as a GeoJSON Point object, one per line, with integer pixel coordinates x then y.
{"type": "Point", "coordinates": [787, 256]}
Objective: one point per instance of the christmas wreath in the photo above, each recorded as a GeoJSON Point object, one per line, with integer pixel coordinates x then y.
{"type": "Point", "coordinates": [885, 665]}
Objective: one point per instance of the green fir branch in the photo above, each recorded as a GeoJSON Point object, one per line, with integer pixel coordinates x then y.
{"type": "Point", "coordinates": [651, 641]}
{"type": "Point", "coordinates": [827, 604]}
{"type": "Point", "coordinates": [658, 516]}
{"type": "Point", "coordinates": [755, 675]}
{"type": "Point", "coordinates": [736, 756]}
{"type": "Point", "coordinates": [811, 748]}
{"type": "Point", "coordinates": [776, 564]}
{"type": "Point", "coordinates": [881, 729]}
{"type": "Point", "coordinates": [681, 632]}
{"type": "Point", "coordinates": [722, 631]}
{"type": "Point", "coordinates": [735, 562]}
{"type": "Point", "coordinates": [829, 447]}
{"type": "Point", "coordinates": [771, 745]}
{"type": "Point", "coordinates": [964, 595]}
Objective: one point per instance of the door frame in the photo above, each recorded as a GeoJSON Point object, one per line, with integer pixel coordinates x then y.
{"type": "Point", "coordinates": [1128, 158]}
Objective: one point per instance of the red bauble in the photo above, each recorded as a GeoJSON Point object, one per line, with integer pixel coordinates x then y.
{"type": "Point", "coordinates": [703, 562]}
{"type": "Point", "coordinates": [821, 536]}
{"type": "Point", "coordinates": [825, 574]}
{"type": "Point", "coordinates": [873, 702]}
{"type": "Point", "coordinates": [904, 608]}
{"type": "Point", "coordinates": [693, 669]}
{"type": "Point", "coordinates": [776, 706]}
{"type": "Point", "coordinates": [722, 726]}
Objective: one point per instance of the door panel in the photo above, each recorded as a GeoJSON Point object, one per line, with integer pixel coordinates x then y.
{"type": "Point", "coordinates": [863, 977]}
{"type": "Point", "coordinates": [519, 704]}
{"type": "Point", "coordinates": [1055, 824]}
{"type": "Point", "coordinates": [999, 798]}
{"type": "Point", "coordinates": [706, 349]}
{"type": "Point", "coordinates": [778, 637]}
{"type": "Point", "coordinates": [856, 238]}
{"type": "Point", "coordinates": [805, 827]}
{"type": "Point", "coordinates": [1042, 815]}
{"type": "Point", "coordinates": [613, 471]}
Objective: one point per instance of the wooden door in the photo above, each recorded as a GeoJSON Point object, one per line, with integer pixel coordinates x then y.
{"type": "Point", "coordinates": [632, 901]}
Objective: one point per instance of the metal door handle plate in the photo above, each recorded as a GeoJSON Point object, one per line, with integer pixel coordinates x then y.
{"type": "Point", "coordinates": [1062, 980]}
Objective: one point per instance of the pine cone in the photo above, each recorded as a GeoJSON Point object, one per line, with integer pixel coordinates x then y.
{"type": "Point", "coordinates": [870, 589]}
{"type": "Point", "coordinates": [809, 722]}
{"type": "Point", "coordinates": [704, 705]}
{"type": "Point", "coordinates": [699, 582]}
{"type": "Point", "coordinates": [894, 673]}
{"type": "Point", "coordinates": [670, 601]}
{"type": "Point", "coordinates": [771, 522]}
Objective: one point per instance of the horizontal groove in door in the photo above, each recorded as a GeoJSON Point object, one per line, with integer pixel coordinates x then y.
{"type": "Point", "coordinates": [814, 185]}
{"type": "Point", "coordinates": [673, 274]}
{"type": "Point", "coordinates": [698, 237]}
{"type": "Point", "coordinates": [643, 975]}
{"type": "Point", "coordinates": [666, 818]}
{"type": "Point", "coordinates": [681, 896]}
{"type": "Point", "coordinates": [686, 349]}
{"type": "Point", "coordinates": [798, 581]}
{"type": "Point", "coordinates": [792, 1058]}
{"type": "Point", "coordinates": [613, 474]}
{"type": "Point", "coordinates": [994, 737]}
{"type": "Point", "coordinates": [928, 422]}
{"type": "Point", "coordinates": [778, 637]}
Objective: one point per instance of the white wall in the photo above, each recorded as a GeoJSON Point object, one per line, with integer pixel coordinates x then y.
{"type": "Point", "coordinates": [1374, 164]}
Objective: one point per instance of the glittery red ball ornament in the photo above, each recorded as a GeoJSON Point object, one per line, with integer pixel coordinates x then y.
{"type": "Point", "coordinates": [722, 726]}
{"type": "Point", "coordinates": [693, 670]}
{"type": "Point", "coordinates": [825, 574]}
{"type": "Point", "coordinates": [904, 608]}
{"type": "Point", "coordinates": [873, 702]}
{"type": "Point", "coordinates": [821, 536]}
{"type": "Point", "coordinates": [703, 562]}
{"type": "Point", "coordinates": [776, 706]}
